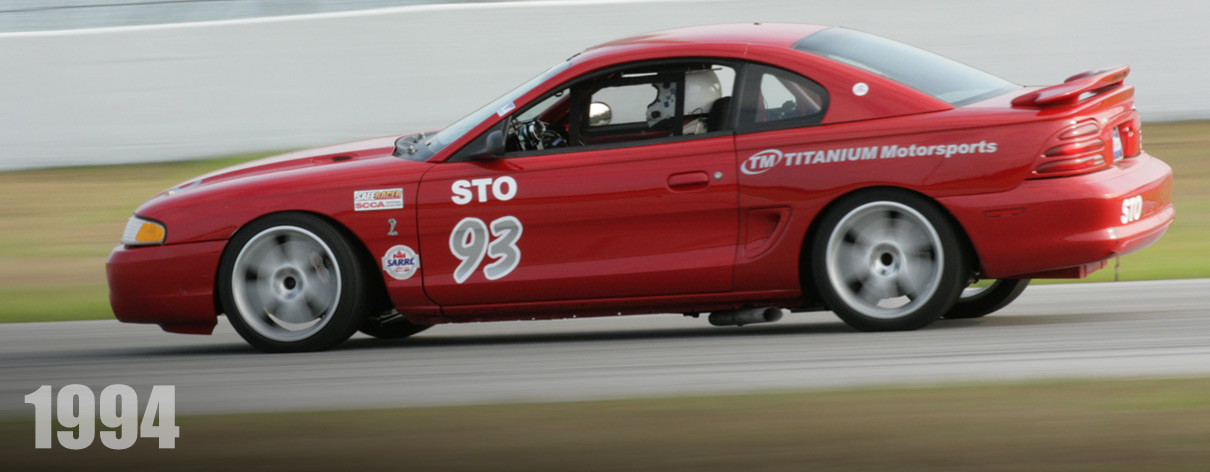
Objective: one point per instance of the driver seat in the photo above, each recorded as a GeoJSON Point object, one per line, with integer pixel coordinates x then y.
{"type": "Point", "coordinates": [716, 120]}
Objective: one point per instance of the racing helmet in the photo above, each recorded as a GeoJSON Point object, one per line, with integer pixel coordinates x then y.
{"type": "Point", "coordinates": [702, 88]}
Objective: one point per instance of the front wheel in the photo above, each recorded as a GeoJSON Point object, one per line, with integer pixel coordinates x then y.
{"type": "Point", "coordinates": [291, 282]}
{"type": "Point", "coordinates": [887, 260]}
{"type": "Point", "coordinates": [981, 301]}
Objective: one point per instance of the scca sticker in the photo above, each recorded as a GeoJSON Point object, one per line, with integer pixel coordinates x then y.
{"type": "Point", "coordinates": [401, 262]}
{"type": "Point", "coordinates": [382, 199]}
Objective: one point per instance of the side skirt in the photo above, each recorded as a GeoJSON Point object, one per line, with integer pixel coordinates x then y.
{"type": "Point", "coordinates": [559, 309]}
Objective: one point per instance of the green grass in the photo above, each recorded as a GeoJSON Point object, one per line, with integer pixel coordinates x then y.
{"type": "Point", "coordinates": [57, 226]}
{"type": "Point", "coordinates": [55, 302]}
{"type": "Point", "coordinates": [1127, 425]}
{"type": "Point", "coordinates": [1184, 252]}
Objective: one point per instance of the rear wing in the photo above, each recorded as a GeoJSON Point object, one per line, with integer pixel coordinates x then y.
{"type": "Point", "coordinates": [1073, 90]}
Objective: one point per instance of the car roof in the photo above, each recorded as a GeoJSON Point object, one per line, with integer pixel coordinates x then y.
{"type": "Point", "coordinates": [765, 34]}
{"type": "Point", "coordinates": [761, 43]}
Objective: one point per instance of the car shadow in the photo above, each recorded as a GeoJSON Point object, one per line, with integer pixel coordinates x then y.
{"type": "Point", "coordinates": [435, 338]}
{"type": "Point", "coordinates": [1033, 319]}
{"type": "Point", "coordinates": [774, 329]}
{"type": "Point", "coordinates": [488, 339]}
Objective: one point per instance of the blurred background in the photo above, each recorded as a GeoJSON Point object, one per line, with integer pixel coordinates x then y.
{"type": "Point", "coordinates": [103, 103]}
{"type": "Point", "coordinates": [48, 15]}
{"type": "Point", "coordinates": [120, 81]}
{"type": "Point", "coordinates": [88, 83]}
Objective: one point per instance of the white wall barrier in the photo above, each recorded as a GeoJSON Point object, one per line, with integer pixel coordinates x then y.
{"type": "Point", "coordinates": [172, 92]}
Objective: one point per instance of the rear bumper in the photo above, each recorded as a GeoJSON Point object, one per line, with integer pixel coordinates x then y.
{"type": "Point", "coordinates": [172, 286]}
{"type": "Point", "coordinates": [1068, 222]}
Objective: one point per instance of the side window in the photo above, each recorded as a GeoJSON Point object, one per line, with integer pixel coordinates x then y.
{"type": "Point", "coordinates": [542, 126]}
{"type": "Point", "coordinates": [686, 101]}
{"type": "Point", "coordinates": [776, 98]}
{"type": "Point", "coordinates": [621, 107]}
{"type": "Point", "coordinates": [627, 104]}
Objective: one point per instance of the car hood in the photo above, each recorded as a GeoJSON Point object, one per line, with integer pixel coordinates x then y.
{"type": "Point", "coordinates": [317, 180]}
{"type": "Point", "coordinates": [376, 148]}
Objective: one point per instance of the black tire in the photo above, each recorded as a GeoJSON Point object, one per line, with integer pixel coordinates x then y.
{"type": "Point", "coordinates": [986, 301]}
{"type": "Point", "coordinates": [291, 282]}
{"type": "Point", "coordinates": [394, 329]}
{"type": "Point", "coordinates": [882, 247]}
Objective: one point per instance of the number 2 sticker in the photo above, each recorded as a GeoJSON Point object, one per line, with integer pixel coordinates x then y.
{"type": "Point", "coordinates": [470, 244]}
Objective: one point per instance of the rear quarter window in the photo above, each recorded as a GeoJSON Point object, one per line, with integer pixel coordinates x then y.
{"type": "Point", "coordinates": [945, 79]}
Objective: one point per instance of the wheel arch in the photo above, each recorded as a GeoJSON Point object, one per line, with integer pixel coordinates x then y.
{"type": "Point", "coordinates": [378, 289]}
{"type": "Point", "coordinates": [810, 293]}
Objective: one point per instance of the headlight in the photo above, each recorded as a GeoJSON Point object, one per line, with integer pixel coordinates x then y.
{"type": "Point", "coordinates": [141, 232]}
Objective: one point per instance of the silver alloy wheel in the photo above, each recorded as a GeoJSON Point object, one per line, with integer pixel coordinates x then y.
{"type": "Point", "coordinates": [286, 283]}
{"type": "Point", "coordinates": [884, 259]}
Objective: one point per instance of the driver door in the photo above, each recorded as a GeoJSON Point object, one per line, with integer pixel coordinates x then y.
{"type": "Point", "coordinates": [630, 215]}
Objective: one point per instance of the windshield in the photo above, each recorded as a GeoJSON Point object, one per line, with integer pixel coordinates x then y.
{"type": "Point", "coordinates": [500, 105]}
{"type": "Point", "coordinates": [948, 80]}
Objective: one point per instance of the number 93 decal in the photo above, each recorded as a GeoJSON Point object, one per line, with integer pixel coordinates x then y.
{"type": "Point", "coordinates": [470, 244]}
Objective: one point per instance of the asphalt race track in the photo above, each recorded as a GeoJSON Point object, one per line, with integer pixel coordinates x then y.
{"type": "Point", "coordinates": [1068, 331]}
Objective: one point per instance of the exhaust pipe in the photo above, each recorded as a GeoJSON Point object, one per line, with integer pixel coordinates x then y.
{"type": "Point", "coordinates": [745, 316]}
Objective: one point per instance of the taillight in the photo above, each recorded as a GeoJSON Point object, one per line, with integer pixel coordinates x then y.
{"type": "Point", "coordinates": [1132, 137]}
{"type": "Point", "coordinates": [1088, 128]}
{"type": "Point", "coordinates": [1070, 166]}
{"type": "Point", "coordinates": [1074, 150]}
{"type": "Point", "coordinates": [1078, 147]}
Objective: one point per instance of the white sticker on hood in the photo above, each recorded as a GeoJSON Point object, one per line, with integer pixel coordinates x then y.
{"type": "Point", "coordinates": [505, 109]}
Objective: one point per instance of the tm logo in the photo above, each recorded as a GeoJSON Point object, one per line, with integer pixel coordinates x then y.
{"type": "Point", "coordinates": [761, 162]}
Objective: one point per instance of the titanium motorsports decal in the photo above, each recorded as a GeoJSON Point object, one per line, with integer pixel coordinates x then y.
{"type": "Point", "coordinates": [382, 199]}
{"type": "Point", "coordinates": [762, 161]}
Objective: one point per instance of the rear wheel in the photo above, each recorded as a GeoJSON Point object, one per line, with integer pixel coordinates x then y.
{"type": "Point", "coordinates": [982, 300]}
{"type": "Point", "coordinates": [888, 260]}
{"type": "Point", "coordinates": [291, 282]}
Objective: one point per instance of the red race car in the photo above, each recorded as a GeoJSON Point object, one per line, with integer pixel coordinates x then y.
{"type": "Point", "coordinates": [735, 169]}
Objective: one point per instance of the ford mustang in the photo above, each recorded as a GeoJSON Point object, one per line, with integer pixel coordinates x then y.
{"type": "Point", "coordinates": [736, 170]}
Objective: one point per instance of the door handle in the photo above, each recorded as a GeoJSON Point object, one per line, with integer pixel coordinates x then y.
{"type": "Point", "coordinates": [688, 181]}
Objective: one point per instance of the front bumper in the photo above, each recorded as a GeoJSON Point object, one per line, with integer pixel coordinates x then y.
{"type": "Point", "coordinates": [1066, 227]}
{"type": "Point", "coordinates": [172, 286]}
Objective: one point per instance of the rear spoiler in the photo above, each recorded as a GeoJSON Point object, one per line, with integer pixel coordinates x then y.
{"type": "Point", "coordinates": [1070, 91]}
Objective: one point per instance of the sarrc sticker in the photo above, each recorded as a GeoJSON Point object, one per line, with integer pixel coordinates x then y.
{"type": "Point", "coordinates": [401, 262]}
{"type": "Point", "coordinates": [382, 199]}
